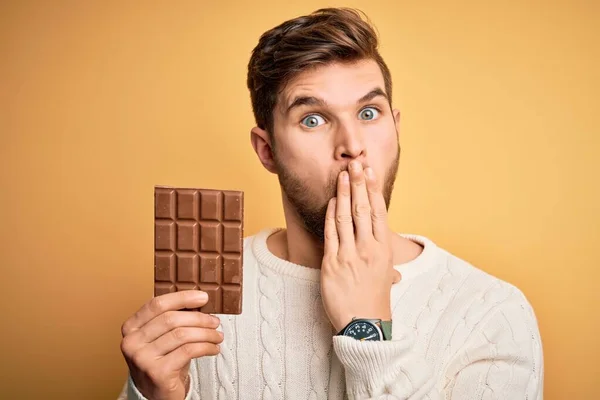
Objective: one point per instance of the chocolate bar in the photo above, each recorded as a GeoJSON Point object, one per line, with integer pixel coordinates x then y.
{"type": "Point", "coordinates": [198, 245]}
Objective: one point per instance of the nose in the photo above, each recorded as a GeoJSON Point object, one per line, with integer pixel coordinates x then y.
{"type": "Point", "coordinates": [349, 143]}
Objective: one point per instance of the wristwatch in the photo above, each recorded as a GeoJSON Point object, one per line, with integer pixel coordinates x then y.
{"type": "Point", "coordinates": [368, 329]}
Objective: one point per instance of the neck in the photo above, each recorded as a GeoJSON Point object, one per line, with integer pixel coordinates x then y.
{"type": "Point", "coordinates": [295, 244]}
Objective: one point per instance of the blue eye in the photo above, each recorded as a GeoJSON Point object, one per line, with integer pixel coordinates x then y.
{"type": "Point", "coordinates": [369, 113]}
{"type": "Point", "coordinates": [312, 121]}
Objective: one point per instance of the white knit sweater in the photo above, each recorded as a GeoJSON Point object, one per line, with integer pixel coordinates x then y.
{"type": "Point", "coordinates": [458, 333]}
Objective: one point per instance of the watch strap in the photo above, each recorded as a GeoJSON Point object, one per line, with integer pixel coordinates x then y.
{"type": "Point", "coordinates": [386, 328]}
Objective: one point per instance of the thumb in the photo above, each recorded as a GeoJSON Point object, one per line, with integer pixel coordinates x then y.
{"type": "Point", "coordinates": [397, 277]}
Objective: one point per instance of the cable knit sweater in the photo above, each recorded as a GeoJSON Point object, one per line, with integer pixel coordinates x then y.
{"type": "Point", "coordinates": [458, 333]}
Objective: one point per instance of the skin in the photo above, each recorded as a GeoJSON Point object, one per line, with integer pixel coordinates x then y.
{"type": "Point", "coordinates": [315, 143]}
{"type": "Point", "coordinates": [337, 225]}
{"type": "Point", "coordinates": [160, 340]}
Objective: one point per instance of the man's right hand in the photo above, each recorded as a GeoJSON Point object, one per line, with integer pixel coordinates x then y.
{"type": "Point", "coordinates": [160, 340]}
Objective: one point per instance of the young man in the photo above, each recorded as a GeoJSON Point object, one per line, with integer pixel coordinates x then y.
{"type": "Point", "coordinates": [336, 305]}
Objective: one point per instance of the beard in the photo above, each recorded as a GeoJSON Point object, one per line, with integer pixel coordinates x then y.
{"type": "Point", "coordinates": [311, 205]}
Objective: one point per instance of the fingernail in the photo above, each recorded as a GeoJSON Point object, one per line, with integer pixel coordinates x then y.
{"type": "Point", "coordinates": [345, 177]}
{"type": "Point", "coordinates": [216, 320]}
{"type": "Point", "coordinates": [369, 173]}
{"type": "Point", "coordinates": [202, 295]}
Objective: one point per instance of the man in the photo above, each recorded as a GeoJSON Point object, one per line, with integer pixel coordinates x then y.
{"type": "Point", "coordinates": [336, 305]}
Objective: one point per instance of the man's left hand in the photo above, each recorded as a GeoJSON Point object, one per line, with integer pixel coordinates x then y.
{"type": "Point", "coordinates": [357, 270]}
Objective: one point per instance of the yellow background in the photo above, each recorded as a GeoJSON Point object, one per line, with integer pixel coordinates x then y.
{"type": "Point", "coordinates": [99, 101]}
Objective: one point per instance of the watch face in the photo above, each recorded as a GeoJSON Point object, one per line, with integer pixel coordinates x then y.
{"type": "Point", "coordinates": [363, 330]}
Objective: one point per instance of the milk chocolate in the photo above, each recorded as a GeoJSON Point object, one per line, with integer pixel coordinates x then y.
{"type": "Point", "coordinates": [198, 245]}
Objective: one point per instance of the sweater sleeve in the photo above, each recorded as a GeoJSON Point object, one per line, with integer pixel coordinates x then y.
{"type": "Point", "coordinates": [501, 359]}
{"type": "Point", "coordinates": [388, 369]}
{"type": "Point", "coordinates": [131, 392]}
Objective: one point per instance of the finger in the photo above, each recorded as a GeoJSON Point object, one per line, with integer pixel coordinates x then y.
{"type": "Point", "coordinates": [170, 320]}
{"type": "Point", "coordinates": [161, 304]}
{"type": "Point", "coordinates": [183, 335]}
{"type": "Point", "coordinates": [378, 207]}
{"type": "Point", "coordinates": [182, 356]}
{"type": "Point", "coordinates": [361, 209]}
{"type": "Point", "coordinates": [331, 237]}
{"type": "Point", "coordinates": [343, 212]}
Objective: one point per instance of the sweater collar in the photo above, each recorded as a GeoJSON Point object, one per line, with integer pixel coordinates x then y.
{"type": "Point", "coordinates": [424, 261]}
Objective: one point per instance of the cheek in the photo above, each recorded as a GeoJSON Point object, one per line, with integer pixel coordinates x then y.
{"type": "Point", "coordinates": [305, 163]}
{"type": "Point", "coordinates": [381, 135]}
{"type": "Point", "coordinates": [383, 153]}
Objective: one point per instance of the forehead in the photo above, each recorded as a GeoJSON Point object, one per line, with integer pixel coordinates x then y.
{"type": "Point", "coordinates": [339, 84]}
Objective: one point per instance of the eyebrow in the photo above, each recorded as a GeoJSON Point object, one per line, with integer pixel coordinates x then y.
{"type": "Point", "coordinates": [315, 101]}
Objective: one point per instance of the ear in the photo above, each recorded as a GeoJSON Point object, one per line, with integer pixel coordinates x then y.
{"type": "Point", "coordinates": [396, 114]}
{"type": "Point", "coordinates": [262, 147]}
